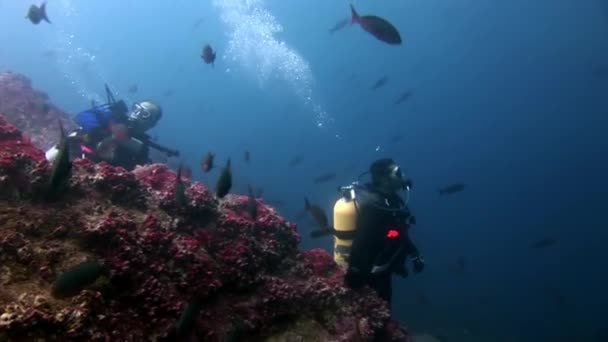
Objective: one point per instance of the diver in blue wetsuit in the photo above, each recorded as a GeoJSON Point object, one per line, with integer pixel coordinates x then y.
{"type": "Point", "coordinates": [112, 133]}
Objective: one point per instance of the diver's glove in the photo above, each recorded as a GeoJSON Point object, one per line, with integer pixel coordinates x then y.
{"type": "Point", "coordinates": [418, 262]}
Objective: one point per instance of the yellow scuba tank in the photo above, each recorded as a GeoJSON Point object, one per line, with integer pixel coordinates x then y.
{"type": "Point", "coordinates": [345, 221]}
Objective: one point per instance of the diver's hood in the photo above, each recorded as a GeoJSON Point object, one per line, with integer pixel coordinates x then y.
{"type": "Point", "coordinates": [349, 192]}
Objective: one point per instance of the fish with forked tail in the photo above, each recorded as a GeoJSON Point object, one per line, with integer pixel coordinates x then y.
{"type": "Point", "coordinates": [339, 25]}
{"type": "Point", "coordinates": [62, 167]}
{"type": "Point", "coordinates": [75, 279]}
{"type": "Point", "coordinates": [377, 27]}
{"type": "Point", "coordinates": [224, 182]}
{"type": "Point", "coordinates": [402, 98]}
{"type": "Point", "coordinates": [207, 163]}
{"type": "Point", "coordinates": [316, 212]}
{"type": "Point", "coordinates": [323, 178]}
{"type": "Point", "coordinates": [208, 55]}
{"type": "Point", "coordinates": [36, 14]}
{"type": "Point", "coordinates": [252, 203]}
{"type": "Point", "coordinates": [180, 190]}
{"type": "Point", "coordinates": [381, 82]}
{"type": "Point", "coordinates": [451, 189]}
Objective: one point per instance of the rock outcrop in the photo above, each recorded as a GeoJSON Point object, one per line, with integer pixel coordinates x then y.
{"type": "Point", "coordinates": [238, 278]}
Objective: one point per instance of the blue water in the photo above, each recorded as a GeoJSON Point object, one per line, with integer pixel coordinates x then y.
{"type": "Point", "coordinates": [504, 98]}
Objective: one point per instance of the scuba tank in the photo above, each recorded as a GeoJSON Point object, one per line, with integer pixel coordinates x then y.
{"type": "Point", "coordinates": [345, 221]}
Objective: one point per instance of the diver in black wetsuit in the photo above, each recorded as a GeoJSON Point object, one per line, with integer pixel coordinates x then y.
{"type": "Point", "coordinates": [381, 243]}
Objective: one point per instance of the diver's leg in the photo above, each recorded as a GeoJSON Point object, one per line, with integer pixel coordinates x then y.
{"type": "Point", "coordinates": [383, 286]}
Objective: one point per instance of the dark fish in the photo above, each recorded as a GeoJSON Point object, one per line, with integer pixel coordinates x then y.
{"type": "Point", "coordinates": [295, 161]}
{"type": "Point", "coordinates": [75, 279]}
{"type": "Point", "coordinates": [378, 27]}
{"type": "Point", "coordinates": [402, 98]}
{"type": "Point", "coordinates": [246, 156]}
{"type": "Point", "coordinates": [317, 213]}
{"type": "Point", "coordinates": [395, 138]}
{"type": "Point", "coordinates": [37, 14]}
{"type": "Point", "coordinates": [252, 204]}
{"type": "Point", "coordinates": [380, 83]}
{"type": "Point", "coordinates": [208, 55]}
{"type": "Point", "coordinates": [326, 177]}
{"type": "Point", "coordinates": [180, 190]}
{"type": "Point", "coordinates": [186, 320]}
{"type": "Point", "coordinates": [451, 189]}
{"type": "Point", "coordinates": [62, 167]}
{"type": "Point", "coordinates": [198, 23]}
{"type": "Point", "coordinates": [543, 243]}
{"type": "Point", "coordinates": [339, 25]}
{"type": "Point", "coordinates": [207, 163]}
{"type": "Point", "coordinates": [132, 89]}
{"type": "Point", "coordinates": [224, 182]}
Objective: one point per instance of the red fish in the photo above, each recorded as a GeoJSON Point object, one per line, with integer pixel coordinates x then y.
{"type": "Point", "coordinates": [378, 27]}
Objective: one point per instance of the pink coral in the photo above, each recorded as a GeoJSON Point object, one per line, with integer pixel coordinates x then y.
{"type": "Point", "coordinates": [248, 272]}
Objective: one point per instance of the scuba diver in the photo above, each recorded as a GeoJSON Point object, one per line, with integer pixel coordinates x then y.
{"type": "Point", "coordinates": [110, 133]}
{"type": "Point", "coordinates": [371, 230]}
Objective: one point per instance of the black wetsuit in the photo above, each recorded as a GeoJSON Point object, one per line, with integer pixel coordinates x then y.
{"type": "Point", "coordinates": [128, 159]}
{"type": "Point", "coordinates": [381, 238]}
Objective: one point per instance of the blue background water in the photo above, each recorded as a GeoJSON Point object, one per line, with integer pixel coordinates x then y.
{"type": "Point", "coordinates": [508, 97]}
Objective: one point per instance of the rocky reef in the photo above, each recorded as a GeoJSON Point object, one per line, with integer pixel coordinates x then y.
{"type": "Point", "coordinates": [31, 110]}
{"type": "Point", "coordinates": [239, 279]}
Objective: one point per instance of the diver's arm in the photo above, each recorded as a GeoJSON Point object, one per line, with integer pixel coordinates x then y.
{"type": "Point", "coordinates": [410, 247]}
{"type": "Point", "coordinates": [161, 148]}
{"type": "Point", "coordinates": [413, 252]}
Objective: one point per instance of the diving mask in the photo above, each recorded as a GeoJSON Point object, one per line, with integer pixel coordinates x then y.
{"type": "Point", "coordinates": [396, 175]}
{"type": "Point", "coordinates": [139, 112]}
